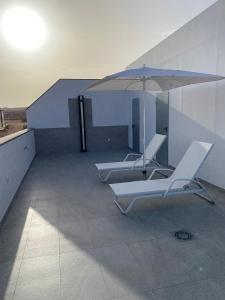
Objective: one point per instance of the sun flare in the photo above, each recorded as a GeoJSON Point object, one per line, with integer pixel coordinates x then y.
{"type": "Point", "coordinates": [23, 28]}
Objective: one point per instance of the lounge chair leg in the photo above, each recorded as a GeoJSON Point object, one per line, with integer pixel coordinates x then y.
{"type": "Point", "coordinates": [130, 205]}
{"type": "Point", "coordinates": [100, 175]}
{"type": "Point", "coordinates": [104, 179]}
{"type": "Point", "coordinates": [124, 211]}
{"type": "Point", "coordinates": [119, 206]}
{"type": "Point", "coordinates": [207, 197]}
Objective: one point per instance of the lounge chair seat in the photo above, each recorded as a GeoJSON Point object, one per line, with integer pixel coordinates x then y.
{"type": "Point", "coordinates": [140, 187]}
{"type": "Point", "coordinates": [120, 165]}
{"type": "Point", "coordinates": [137, 164]}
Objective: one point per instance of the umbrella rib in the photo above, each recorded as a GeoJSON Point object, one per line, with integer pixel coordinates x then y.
{"type": "Point", "coordinates": [129, 85]}
{"type": "Point", "coordinates": [165, 79]}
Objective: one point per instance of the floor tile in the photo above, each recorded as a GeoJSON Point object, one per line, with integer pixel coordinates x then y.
{"type": "Point", "coordinates": [138, 295]}
{"type": "Point", "coordinates": [81, 277]}
{"type": "Point", "coordinates": [122, 274]}
{"type": "Point", "coordinates": [76, 231]}
{"type": "Point", "coordinates": [203, 217]}
{"type": "Point", "coordinates": [201, 290]}
{"type": "Point", "coordinates": [43, 250]}
{"type": "Point", "coordinates": [157, 225]}
{"type": "Point", "coordinates": [38, 268]}
{"type": "Point", "coordinates": [9, 273]}
{"type": "Point", "coordinates": [40, 289]}
{"type": "Point", "coordinates": [110, 231]}
{"type": "Point", "coordinates": [161, 262]}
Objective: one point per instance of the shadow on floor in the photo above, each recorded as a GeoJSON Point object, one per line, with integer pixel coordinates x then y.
{"type": "Point", "coordinates": [63, 238]}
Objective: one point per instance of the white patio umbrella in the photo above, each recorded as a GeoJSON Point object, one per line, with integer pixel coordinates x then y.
{"type": "Point", "coordinates": [149, 79]}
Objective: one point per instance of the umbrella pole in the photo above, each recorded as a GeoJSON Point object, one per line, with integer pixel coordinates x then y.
{"type": "Point", "coordinates": [144, 137]}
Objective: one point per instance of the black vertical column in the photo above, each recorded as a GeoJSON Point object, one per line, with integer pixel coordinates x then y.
{"type": "Point", "coordinates": [82, 123]}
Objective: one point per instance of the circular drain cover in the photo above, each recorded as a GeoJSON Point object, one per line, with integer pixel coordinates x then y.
{"type": "Point", "coordinates": [183, 235]}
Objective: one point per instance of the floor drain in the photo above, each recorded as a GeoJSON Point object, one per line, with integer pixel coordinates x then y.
{"type": "Point", "coordinates": [183, 235]}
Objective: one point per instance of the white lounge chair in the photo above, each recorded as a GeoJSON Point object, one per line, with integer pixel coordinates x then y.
{"type": "Point", "coordinates": [182, 181]}
{"type": "Point", "coordinates": [127, 165]}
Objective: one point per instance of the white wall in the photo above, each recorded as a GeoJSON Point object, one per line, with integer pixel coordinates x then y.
{"type": "Point", "coordinates": [16, 156]}
{"type": "Point", "coordinates": [51, 109]}
{"type": "Point", "coordinates": [110, 108]}
{"type": "Point", "coordinates": [196, 112]}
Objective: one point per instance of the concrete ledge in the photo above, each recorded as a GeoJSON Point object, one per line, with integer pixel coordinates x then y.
{"type": "Point", "coordinates": [13, 136]}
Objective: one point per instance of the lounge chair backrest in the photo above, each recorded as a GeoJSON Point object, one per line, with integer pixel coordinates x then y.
{"type": "Point", "coordinates": [154, 145]}
{"type": "Point", "coordinates": [191, 162]}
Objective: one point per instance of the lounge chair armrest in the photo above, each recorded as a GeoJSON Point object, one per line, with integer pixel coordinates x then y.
{"type": "Point", "coordinates": [156, 170]}
{"type": "Point", "coordinates": [131, 154]}
{"type": "Point", "coordinates": [180, 179]}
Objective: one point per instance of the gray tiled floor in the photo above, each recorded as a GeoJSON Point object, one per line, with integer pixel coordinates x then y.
{"type": "Point", "coordinates": [63, 238]}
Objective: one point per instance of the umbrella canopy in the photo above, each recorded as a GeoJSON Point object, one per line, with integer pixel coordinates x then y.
{"type": "Point", "coordinates": [150, 79]}
{"type": "Point", "coordinates": [157, 80]}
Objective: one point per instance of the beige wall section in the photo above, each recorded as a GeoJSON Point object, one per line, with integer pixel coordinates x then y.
{"type": "Point", "coordinates": [196, 112]}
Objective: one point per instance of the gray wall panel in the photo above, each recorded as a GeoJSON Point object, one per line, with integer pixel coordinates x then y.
{"type": "Point", "coordinates": [107, 138]}
{"type": "Point", "coordinates": [57, 140]}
